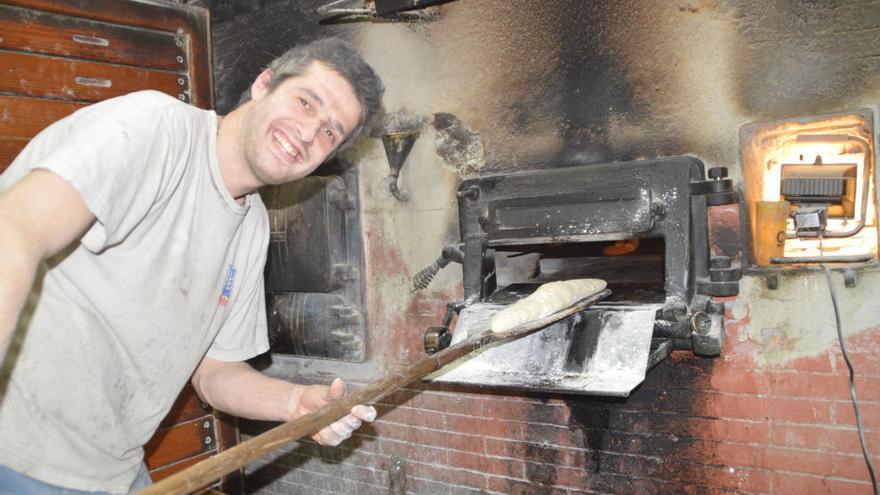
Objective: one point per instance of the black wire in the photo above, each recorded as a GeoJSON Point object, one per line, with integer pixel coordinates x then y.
{"type": "Point", "coordinates": [852, 384]}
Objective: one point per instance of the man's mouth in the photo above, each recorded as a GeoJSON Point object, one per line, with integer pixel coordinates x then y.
{"type": "Point", "coordinates": [286, 146]}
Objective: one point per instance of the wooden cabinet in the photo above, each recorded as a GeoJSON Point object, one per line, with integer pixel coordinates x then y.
{"type": "Point", "coordinates": [191, 432]}
{"type": "Point", "coordinates": [59, 55]}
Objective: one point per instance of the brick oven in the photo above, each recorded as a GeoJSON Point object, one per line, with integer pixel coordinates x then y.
{"type": "Point", "coordinates": [771, 106]}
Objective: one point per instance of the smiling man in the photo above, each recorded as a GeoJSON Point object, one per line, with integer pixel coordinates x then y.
{"type": "Point", "coordinates": [133, 252]}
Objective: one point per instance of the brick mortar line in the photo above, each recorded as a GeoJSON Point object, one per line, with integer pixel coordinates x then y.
{"type": "Point", "coordinates": [789, 397]}
{"type": "Point", "coordinates": [816, 476]}
{"type": "Point", "coordinates": [789, 371]}
{"type": "Point", "coordinates": [436, 465]}
{"type": "Point", "coordinates": [309, 487]}
{"type": "Point", "coordinates": [773, 422]}
{"type": "Point", "coordinates": [475, 396]}
{"type": "Point", "coordinates": [346, 463]}
{"type": "Point", "coordinates": [653, 413]}
{"type": "Point", "coordinates": [831, 401]}
{"type": "Point", "coordinates": [657, 413]}
{"type": "Point", "coordinates": [486, 490]}
{"type": "Point", "coordinates": [323, 475]}
{"type": "Point", "coordinates": [332, 476]}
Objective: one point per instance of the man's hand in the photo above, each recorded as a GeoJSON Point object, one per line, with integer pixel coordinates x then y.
{"type": "Point", "coordinates": [238, 389]}
{"type": "Point", "coordinates": [313, 397]}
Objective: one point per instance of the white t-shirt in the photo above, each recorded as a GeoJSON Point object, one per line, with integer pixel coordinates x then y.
{"type": "Point", "coordinates": [171, 269]}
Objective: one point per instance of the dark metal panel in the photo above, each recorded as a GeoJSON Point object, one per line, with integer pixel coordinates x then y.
{"type": "Point", "coordinates": [313, 272]}
{"type": "Point", "coordinates": [612, 211]}
{"type": "Point", "coordinates": [306, 235]}
{"type": "Point", "coordinates": [315, 325]}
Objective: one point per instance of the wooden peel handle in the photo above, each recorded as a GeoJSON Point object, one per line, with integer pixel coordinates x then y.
{"type": "Point", "coordinates": [203, 473]}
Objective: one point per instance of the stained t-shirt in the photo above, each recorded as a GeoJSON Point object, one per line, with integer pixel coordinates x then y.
{"type": "Point", "coordinates": [171, 269]}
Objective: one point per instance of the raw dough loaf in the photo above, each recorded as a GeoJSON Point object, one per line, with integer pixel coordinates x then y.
{"type": "Point", "coordinates": [548, 299]}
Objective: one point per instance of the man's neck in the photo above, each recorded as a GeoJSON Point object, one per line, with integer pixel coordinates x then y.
{"type": "Point", "coordinates": [230, 153]}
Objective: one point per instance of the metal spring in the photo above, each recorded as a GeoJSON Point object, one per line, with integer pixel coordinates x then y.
{"type": "Point", "coordinates": [423, 279]}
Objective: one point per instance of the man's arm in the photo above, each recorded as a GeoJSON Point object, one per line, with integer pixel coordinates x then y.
{"type": "Point", "coordinates": [239, 389]}
{"type": "Point", "coordinates": [39, 216]}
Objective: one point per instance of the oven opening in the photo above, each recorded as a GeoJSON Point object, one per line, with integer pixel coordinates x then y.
{"type": "Point", "coordinates": [810, 189]}
{"type": "Point", "coordinates": [634, 268]}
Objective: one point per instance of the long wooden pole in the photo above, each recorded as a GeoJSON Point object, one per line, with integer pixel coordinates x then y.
{"type": "Point", "coordinates": [203, 473]}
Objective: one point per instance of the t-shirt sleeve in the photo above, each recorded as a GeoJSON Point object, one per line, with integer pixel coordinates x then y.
{"type": "Point", "coordinates": [118, 155]}
{"type": "Point", "coordinates": [244, 334]}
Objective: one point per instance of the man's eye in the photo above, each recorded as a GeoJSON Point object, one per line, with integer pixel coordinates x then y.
{"type": "Point", "coordinates": [303, 102]}
{"type": "Point", "coordinates": [330, 134]}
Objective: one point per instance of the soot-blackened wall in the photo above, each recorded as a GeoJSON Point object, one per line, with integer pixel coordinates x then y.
{"type": "Point", "coordinates": [551, 83]}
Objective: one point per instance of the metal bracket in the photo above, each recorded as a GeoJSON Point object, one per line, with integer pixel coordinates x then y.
{"type": "Point", "coordinates": [723, 278]}
{"type": "Point", "coordinates": [718, 190]}
{"type": "Point", "coordinates": [396, 476]}
{"type": "Point", "coordinates": [397, 147]}
{"type": "Point", "coordinates": [359, 10]}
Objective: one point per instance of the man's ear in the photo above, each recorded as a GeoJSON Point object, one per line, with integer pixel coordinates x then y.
{"type": "Point", "coordinates": [261, 85]}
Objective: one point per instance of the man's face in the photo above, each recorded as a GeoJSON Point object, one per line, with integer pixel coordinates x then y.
{"type": "Point", "coordinates": [294, 127]}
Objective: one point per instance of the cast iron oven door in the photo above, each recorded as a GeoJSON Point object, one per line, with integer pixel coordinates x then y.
{"type": "Point", "coordinates": [522, 230]}
{"type": "Point", "coordinates": [314, 293]}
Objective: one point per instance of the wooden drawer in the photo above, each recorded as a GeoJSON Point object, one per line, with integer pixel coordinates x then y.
{"type": "Point", "coordinates": [185, 23]}
{"type": "Point", "coordinates": [149, 14]}
{"type": "Point", "coordinates": [24, 117]}
{"type": "Point", "coordinates": [54, 77]}
{"type": "Point", "coordinates": [55, 34]}
{"type": "Point", "coordinates": [191, 432]}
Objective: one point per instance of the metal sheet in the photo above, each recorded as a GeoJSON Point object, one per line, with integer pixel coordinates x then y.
{"type": "Point", "coordinates": [603, 351]}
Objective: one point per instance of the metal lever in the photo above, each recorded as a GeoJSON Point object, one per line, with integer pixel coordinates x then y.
{"type": "Point", "coordinates": [438, 338]}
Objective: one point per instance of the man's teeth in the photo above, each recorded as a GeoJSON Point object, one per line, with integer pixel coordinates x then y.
{"type": "Point", "coordinates": [286, 146]}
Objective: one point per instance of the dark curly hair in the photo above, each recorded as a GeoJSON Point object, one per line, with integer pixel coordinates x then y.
{"type": "Point", "coordinates": [344, 60]}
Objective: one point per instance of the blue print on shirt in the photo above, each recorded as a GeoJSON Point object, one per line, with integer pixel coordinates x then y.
{"type": "Point", "coordinates": [227, 285]}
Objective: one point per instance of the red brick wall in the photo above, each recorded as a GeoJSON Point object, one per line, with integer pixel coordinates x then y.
{"type": "Point", "coordinates": [726, 425]}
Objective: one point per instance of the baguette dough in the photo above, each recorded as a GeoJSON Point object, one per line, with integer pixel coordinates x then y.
{"type": "Point", "coordinates": [548, 299]}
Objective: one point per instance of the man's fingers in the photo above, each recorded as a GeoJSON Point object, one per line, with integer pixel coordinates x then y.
{"type": "Point", "coordinates": [364, 413]}
{"type": "Point", "coordinates": [341, 430]}
{"type": "Point", "coordinates": [327, 437]}
{"type": "Point", "coordinates": [336, 390]}
{"type": "Point", "coordinates": [320, 395]}
{"type": "Point", "coordinates": [351, 422]}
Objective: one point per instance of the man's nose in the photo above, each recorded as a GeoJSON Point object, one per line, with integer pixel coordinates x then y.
{"type": "Point", "coordinates": [310, 129]}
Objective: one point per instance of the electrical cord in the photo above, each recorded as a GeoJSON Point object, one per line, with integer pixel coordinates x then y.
{"type": "Point", "coordinates": [852, 383]}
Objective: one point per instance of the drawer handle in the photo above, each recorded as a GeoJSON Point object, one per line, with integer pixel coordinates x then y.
{"type": "Point", "coordinates": [91, 40]}
{"type": "Point", "coordinates": [97, 82]}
